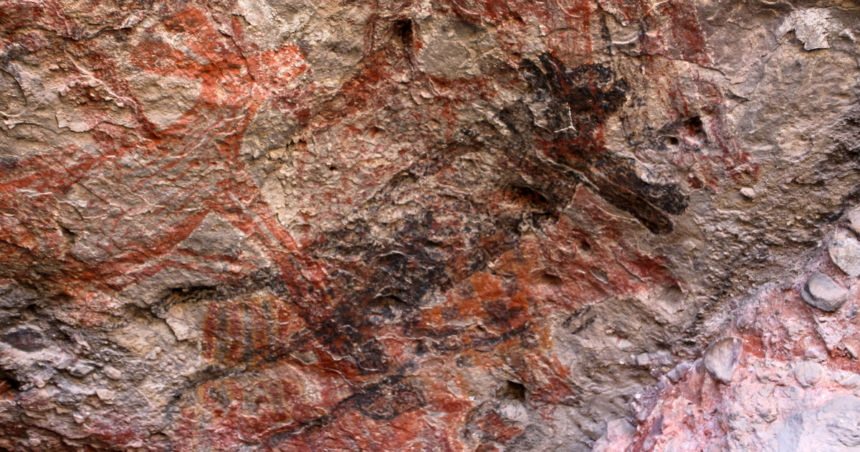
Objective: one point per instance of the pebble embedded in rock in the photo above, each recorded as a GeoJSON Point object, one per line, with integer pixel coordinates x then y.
{"type": "Point", "coordinates": [112, 372]}
{"type": "Point", "coordinates": [822, 292]}
{"type": "Point", "coordinates": [743, 322]}
{"type": "Point", "coordinates": [854, 219]}
{"type": "Point", "coordinates": [808, 373]}
{"type": "Point", "coordinates": [722, 358]}
{"type": "Point", "coordinates": [675, 375]}
{"type": "Point", "coordinates": [845, 252]}
{"type": "Point", "coordinates": [81, 369]}
{"type": "Point", "coordinates": [106, 395]}
{"type": "Point", "coordinates": [767, 413]}
{"type": "Point", "coordinates": [848, 380]}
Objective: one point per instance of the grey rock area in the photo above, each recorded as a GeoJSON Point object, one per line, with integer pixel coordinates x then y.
{"type": "Point", "coordinates": [822, 292]}
{"type": "Point", "coordinates": [833, 427]}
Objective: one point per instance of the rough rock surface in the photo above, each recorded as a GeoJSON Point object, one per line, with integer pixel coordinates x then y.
{"type": "Point", "coordinates": [431, 225]}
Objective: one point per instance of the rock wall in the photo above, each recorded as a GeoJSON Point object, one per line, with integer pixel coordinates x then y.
{"type": "Point", "coordinates": [431, 225]}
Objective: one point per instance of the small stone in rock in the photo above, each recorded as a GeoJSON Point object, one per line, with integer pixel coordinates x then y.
{"type": "Point", "coordinates": [808, 373]}
{"type": "Point", "coordinates": [854, 219]}
{"type": "Point", "coordinates": [848, 380]}
{"type": "Point", "coordinates": [106, 395]}
{"type": "Point", "coordinates": [81, 369]}
{"type": "Point", "coordinates": [675, 375]}
{"type": "Point", "coordinates": [722, 357]}
{"type": "Point", "coordinates": [822, 292]}
{"type": "Point", "coordinates": [112, 372]}
{"type": "Point", "coordinates": [748, 192]}
{"type": "Point", "coordinates": [845, 252]}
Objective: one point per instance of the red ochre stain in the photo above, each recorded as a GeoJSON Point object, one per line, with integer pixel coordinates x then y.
{"type": "Point", "coordinates": [265, 332]}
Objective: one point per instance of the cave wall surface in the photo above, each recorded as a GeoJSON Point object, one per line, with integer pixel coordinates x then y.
{"type": "Point", "coordinates": [431, 225]}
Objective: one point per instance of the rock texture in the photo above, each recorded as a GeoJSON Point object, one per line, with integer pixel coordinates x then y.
{"type": "Point", "coordinates": [435, 225]}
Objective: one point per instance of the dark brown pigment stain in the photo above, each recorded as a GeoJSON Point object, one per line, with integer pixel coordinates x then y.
{"type": "Point", "coordinates": [374, 283]}
{"type": "Point", "coordinates": [580, 101]}
{"type": "Point", "coordinates": [25, 339]}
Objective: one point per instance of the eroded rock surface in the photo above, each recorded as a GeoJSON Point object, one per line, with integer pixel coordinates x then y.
{"type": "Point", "coordinates": [260, 225]}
